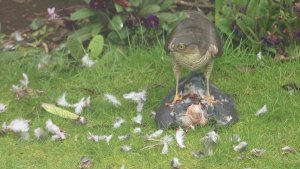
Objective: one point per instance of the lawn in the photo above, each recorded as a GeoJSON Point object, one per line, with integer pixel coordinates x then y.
{"type": "Point", "coordinates": [148, 68]}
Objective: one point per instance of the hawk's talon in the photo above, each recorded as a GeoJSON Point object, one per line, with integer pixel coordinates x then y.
{"type": "Point", "coordinates": [209, 99]}
{"type": "Point", "coordinates": [176, 99]}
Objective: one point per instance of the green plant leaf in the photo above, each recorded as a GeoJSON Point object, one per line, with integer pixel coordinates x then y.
{"type": "Point", "coordinates": [82, 13]}
{"type": "Point", "coordinates": [135, 2]}
{"type": "Point", "coordinates": [95, 46]}
{"type": "Point", "coordinates": [224, 26]}
{"type": "Point", "coordinates": [75, 47]}
{"type": "Point", "coordinates": [36, 24]}
{"type": "Point", "coordinates": [118, 8]}
{"type": "Point", "coordinates": [59, 111]}
{"type": "Point", "coordinates": [149, 9]}
{"type": "Point", "coordinates": [166, 4]}
{"type": "Point", "coordinates": [87, 32]}
{"type": "Point", "coordinates": [116, 23]}
{"type": "Point", "coordinates": [167, 17]}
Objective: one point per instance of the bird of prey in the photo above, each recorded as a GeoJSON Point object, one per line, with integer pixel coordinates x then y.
{"type": "Point", "coordinates": [194, 43]}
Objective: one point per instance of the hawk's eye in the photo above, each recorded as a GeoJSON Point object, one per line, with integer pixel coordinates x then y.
{"type": "Point", "coordinates": [180, 46]}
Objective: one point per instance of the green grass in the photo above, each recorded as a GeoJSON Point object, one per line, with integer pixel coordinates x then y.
{"type": "Point", "coordinates": [150, 69]}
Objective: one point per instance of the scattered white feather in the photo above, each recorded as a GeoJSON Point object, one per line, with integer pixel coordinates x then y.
{"type": "Point", "coordinates": [79, 106]}
{"type": "Point", "coordinates": [125, 137]}
{"type": "Point", "coordinates": [25, 81]}
{"type": "Point", "coordinates": [44, 61]}
{"type": "Point", "coordinates": [138, 118]}
{"type": "Point", "coordinates": [236, 138]}
{"type": "Point", "coordinates": [62, 101]}
{"type": "Point", "coordinates": [57, 133]}
{"type": "Point", "coordinates": [287, 149]}
{"type": "Point", "coordinates": [259, 55]}
{"type": "Point", "coordinates": [175, 164]}
{"type": "Point", "coordinates": [165, 149]}
{"type": "Point", "coordinates": [209, 140]}
{"type": "Point", "coordinates": [40, 134]}
{"type": "Point", "coordinates": [179, 137]}
{"type": "Point", "coordinates": [84, 102]}
{"type": "Point", "coordinates": [258, 152]}
{"type": "Point", "coordinates": [118, 122]}
{"type": "Point", "coordinates": [137, 130]}
{"type": "Point", "coordinates": [155, 134]}
{"type": "Point", "coordinates": [112, 99]}
{"type": "Point", "coordinates": [87, 102]}
{"type": "Point", "coordinates": [166, 141]}
{"type": "Point", "coordinates": [126, 148]}
{"type": "Point", "coordinates": [197, 154]}
{"type": "Point", "coordinates": [5, 127]}
{"type": "Point", "coordinates": [19, 125]}
{"type": "Point", "coordinates": [261, 110]}
{"type": "Point", "coordinates": [138, 97]}
{"type": "Point", "coordinates": [87, 61]}
{"type": "Point", "coordinates": [24, 136]}
{"type": "Point", "coordinates": [213, 136]}
{"type": "Point", "coordinates": [240, 147]}
{"type": "Point", "coordinates": [18, 36]}
{"type": "Point", "coordinates": [98, 138]}
{"type": "Point", "coordinates": [153, 114]}
{"type": "Point", "coordinates": [2, 107]}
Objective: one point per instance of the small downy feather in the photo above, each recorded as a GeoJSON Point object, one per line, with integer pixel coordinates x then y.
{"type": "Point", "coordinates": [166, 141]}
{"type": "Point", "coordinates": [19, 125]}
{"type": "Point", "coordinates": [258, 152]}
{"type": "Point", "coordinates": [62, 101]}
{"type": "Point", "coordinates": [213, 136]}
{"type": "Point", "coordinates": [287, 149]}
{"type": "Point", "coordinates": [138, 118]}
{"type": "Point", "coordinates": [57, 133]}
{"type": "Point", "coordinates": [79, 106]}
{"type": "Point", "coordinates": [99, 137]}
{"type": "Point", "coordinates": [209, 140]}
{"type": "Point", "coordinates": [126, 148]}
{"type": "Point", "coordinates": [179, 137]}
{"type": "Point", "coordinates": [262, 110]}
{"type": "Point", "coordinates": [118, 122]}
{"type": "Point", "coordinates": [138, 97]}
{"type": "Point", "coordinates": [124, 137]}
{"type": "Point", "coordinates": [40, 134]}
{"type": "Point", "coordinates": [2, 108]}
{"type": "Point", "coordinates": [137, 130]}
{"type": "Point", "coordinates": [87, 61]}
{"type": "Point", "coordinates": [84, 102]}
{"type": "Point", "coordinates": [24, 136]}
{"type": "Point", "coordinates": [112, 99]}
{"type": "Point", "coordinates": [155, 134]}
{"type": "Point", "coordinates": [175, 164]}
{"type": "Point", "coordinates": [25, 81]}
{"type": "Point", "coordinates": [240, 147]}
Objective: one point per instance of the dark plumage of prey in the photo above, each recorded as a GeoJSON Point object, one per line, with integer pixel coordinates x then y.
{"type": "Point", "coordinates": [193, 44]}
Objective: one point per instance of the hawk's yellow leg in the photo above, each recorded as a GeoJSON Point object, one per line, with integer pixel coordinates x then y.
{"type": "Point", "coordinates": [207, 73]}
{"type": "Point", "coordinates": [176, 70]}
